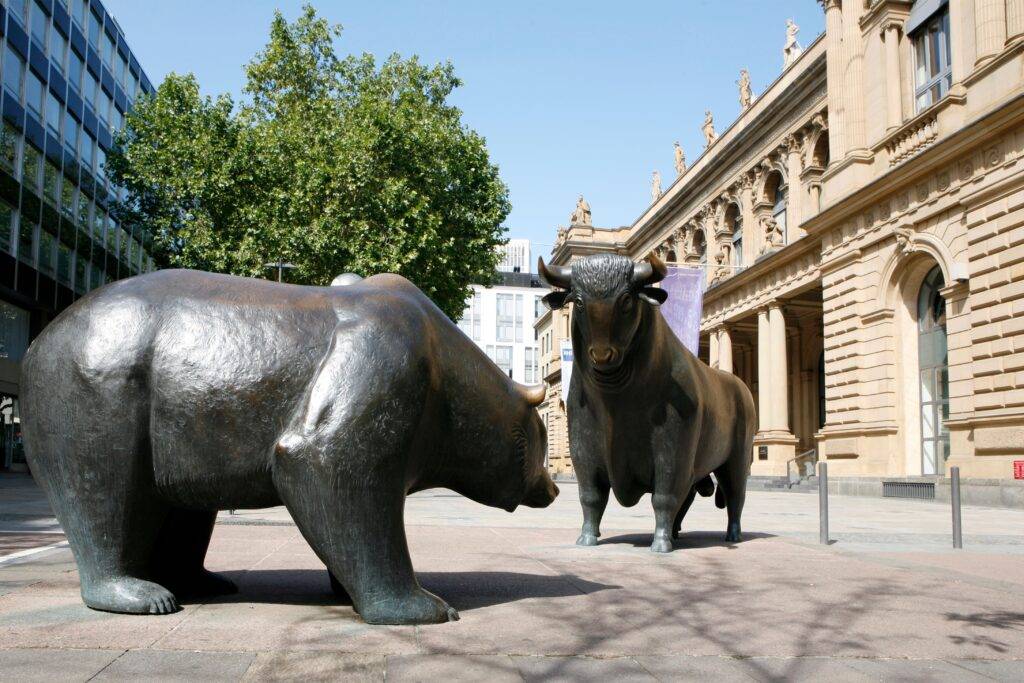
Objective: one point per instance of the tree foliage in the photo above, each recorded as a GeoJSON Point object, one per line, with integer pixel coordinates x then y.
{"type": "Point", "coordinates": [332, 163]}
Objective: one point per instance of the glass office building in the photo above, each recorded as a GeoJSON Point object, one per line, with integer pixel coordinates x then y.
{"type": "Point", "coordinates": [69, 77]}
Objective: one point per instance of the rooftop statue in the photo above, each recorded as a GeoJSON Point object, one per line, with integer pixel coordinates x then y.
{"type": "Point", "coordinates": [645, 415]}
{"type": "Point", "coordinates": [792, 49]}
{"type": "Point", "coordinates": [581, 214]}
{"type": "Point", "coordinates": [680, 159]}
{"type": "Point", "coordinates": [709, 129]}
{"type": "Point", "coordinates": [156, 401]}
{"type": "Point", "coordinates": [746, 93]}
{"type": "Point", "coordinates": [656, 190]}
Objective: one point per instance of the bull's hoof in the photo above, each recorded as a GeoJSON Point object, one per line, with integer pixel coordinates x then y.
{"type": "Point", "coordinates": [661, 545]}
{"type": "Point", "coordinates": [732, 532]}
{"type": "Point", "coordinates": [420, 607]}
{"type": "Point", "coordinates": [128, 595]}
{"type": "Point", "coordinates": [586, 539]}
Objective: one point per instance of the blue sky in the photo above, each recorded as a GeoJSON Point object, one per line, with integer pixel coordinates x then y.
{"type": "Point", "coordinates": [572, 96]}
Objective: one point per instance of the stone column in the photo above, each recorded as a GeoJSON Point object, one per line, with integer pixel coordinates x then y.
{"type": "Point", "coordinates": [834, 76]}
{"type": "Point", "coordinates": [794, 207]}
{"type": "Point", "coordinates": [750, 244]}
{"type": "Point", "coordinates": [713, 358]}
{"type": "Point", "coordinates": [764, 365]}
{"type": "Point", "coordinates": [1014, 20]}
{"type": "Point", "coordinates": [724, 349]}
{"type": "Point", "coordinates": [853, 94]}
{"type": "Point", "coordinates": [893, 90]}
{"type": "Point", "coordinates": [816, 197]}
{"type": "Point", "coordinates": [797, 404]}
{"type": "Point", "coordinates": [779, 376]}
{"type": "Point", "coordinates": [963, 49]}
{"type": "Point", "coordinates": [989, 28]}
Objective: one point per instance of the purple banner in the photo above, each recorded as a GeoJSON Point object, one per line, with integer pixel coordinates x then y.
{"type": "Point", "coordinates": [685, 287]}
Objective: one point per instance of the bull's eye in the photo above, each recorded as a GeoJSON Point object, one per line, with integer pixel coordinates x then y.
{"type": "Point", "coordinates": [626, 303]}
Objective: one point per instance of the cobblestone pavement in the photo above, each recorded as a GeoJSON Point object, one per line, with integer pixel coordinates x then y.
{"type": "Point", "coordinates": [889, 599]}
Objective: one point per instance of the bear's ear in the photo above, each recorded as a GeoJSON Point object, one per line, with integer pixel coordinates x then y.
{"type": "Point", "coordinates": [653, 295]}
{"type": "Point", "coordinates": [555, 299]}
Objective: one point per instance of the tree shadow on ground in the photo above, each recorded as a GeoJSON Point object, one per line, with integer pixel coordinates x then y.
{"type": "Point", "coordinates": [999, 621]}
{"type": "Point", "coordinates": [462, 590]}
{"type": "Point", "coordinates": [691, 539]}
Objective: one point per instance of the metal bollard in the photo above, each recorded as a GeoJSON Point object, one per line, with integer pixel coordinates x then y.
{"type": "Point", "coordinates": [954, 496]}
{"type": "Point", "coordinates": [823, 501]}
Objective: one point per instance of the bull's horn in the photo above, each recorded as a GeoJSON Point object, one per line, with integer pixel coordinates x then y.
{"type": "Point", "coordinates": [651, 271]}
{"type": "Point", "coordinates": [534, 393]}
{"type": "Point", "coordinates": [556, 276]}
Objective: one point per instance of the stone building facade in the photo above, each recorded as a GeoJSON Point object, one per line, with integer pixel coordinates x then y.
{"type": "Point", "coordinates": [862, 229]}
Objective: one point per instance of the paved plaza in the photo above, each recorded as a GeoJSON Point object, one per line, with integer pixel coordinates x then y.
{"type": "Point", "coordinates": [888, 599]}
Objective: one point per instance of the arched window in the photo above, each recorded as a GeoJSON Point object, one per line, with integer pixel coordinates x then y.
{"type": "Point", "coordinates": [820, 157]}
{"type": "Point", "coordinates": [734, 220]}
{"type": "Point", "coordinates": [933, 366]}
{"type": "Point", "coordinates": [700, 245]}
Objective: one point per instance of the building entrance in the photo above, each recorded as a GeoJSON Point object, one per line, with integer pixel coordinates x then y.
{"type": "Point", "coordinates": [934, 374]}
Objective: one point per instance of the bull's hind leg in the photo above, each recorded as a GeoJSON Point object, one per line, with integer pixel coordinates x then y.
{"type": "Point", "coordinates": [682, 512]}
{"type": "Point", "coordinates": [732, 482]}
{"type": "Point", "coordinates": [180, 552]}
{"type": "Point", "coordinates": [705, 487]}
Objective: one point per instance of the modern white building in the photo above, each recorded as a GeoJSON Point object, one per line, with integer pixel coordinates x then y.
{"type": "Point", "coordinates": [515, 256]}
{"type": "Point", "coordinates": [500, 318]}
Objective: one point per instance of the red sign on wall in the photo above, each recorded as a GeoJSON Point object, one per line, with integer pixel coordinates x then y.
{"type": "Point", "coordinates": [1018, 469]}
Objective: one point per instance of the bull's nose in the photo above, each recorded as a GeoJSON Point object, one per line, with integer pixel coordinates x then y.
{"type": "Point", "coordinates": [602, 355]}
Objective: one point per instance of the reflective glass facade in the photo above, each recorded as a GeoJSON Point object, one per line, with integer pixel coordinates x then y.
{"type": "Point", "coordinates": [69, 78]}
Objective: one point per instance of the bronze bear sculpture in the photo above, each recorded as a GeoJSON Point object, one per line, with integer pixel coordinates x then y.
{"type": "Point", "coordinates": [645, 415]}
{"type": "Point", "coordinates": [156, 401]}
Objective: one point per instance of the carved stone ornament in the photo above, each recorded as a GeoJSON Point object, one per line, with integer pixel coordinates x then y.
{"type": "Point", "coordinates": [773, 237]}
{"type": "Point", "coordinates": [904, 238]}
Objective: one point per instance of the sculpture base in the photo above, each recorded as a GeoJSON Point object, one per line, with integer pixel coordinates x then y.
{"type": "Point", "coordinates": [772, 450]}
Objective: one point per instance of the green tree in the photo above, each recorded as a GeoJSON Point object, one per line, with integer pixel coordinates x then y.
{"type": "Point", "coordinates": [332, 163]}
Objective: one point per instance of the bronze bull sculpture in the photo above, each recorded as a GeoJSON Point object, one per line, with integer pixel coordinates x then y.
{"type": "Point", "coordinates": [645, 415]}
{"type": "Point", "coordinates": [154, 402]}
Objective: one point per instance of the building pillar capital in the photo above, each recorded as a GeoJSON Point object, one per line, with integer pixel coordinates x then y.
{"type": "Point", "coordinates": [828, 5]}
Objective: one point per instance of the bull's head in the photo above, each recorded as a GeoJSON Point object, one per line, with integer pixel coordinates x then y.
{"type": "Point", "coordinates": [612, 296]}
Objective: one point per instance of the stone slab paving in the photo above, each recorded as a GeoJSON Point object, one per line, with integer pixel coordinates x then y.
{"type": "Point", "coordinates": [888, 601]}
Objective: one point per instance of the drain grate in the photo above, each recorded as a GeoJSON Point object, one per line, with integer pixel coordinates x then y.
{"type": "Point", "coordinates": [908, 489]}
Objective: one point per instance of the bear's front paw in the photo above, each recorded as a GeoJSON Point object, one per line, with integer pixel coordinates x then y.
{"type": "Point", "coordinates": [418, 607]}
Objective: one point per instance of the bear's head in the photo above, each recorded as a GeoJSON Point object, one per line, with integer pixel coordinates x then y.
{"type": "Point", "coordinates": [498, 454]}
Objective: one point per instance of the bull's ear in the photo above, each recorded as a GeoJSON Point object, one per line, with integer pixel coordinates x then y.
{"type": "Point", "coordinates": [653, 295]}
{"type": "Point", "coordinates": [556, 299]}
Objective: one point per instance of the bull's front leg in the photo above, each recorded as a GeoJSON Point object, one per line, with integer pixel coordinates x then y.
{"type": "Point", "coordinates": [673, 470]}
{"type": "Point", "coordinates": [666, 505]}
{"type": "Point", "coordinates": [594, 500]}
{"type": "Point", "coordinates": [588, 449]}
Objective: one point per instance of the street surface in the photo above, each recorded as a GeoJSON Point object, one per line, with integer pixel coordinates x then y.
{"type": "Point", "coordinates": [889, 599]}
